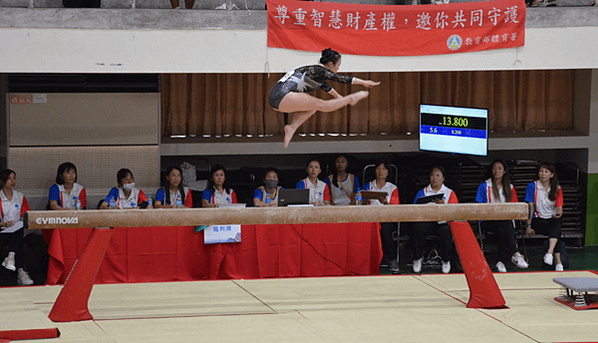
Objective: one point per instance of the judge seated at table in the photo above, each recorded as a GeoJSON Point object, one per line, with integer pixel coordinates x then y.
{"type": "Point", "coordinates": [319, 194]}
{"type": "Point", "coordinates": [173, 194]}
{"type": "Point", "coordinates": [218, 191]}
{"type": "Point", "coordinates": [267, 195]}
{"type": "Point", "coordinates": [125, 195]}
{"type": "Point", "coordinates": [379, 184]}
{"type": "Point", "coordinates": [420, 230]}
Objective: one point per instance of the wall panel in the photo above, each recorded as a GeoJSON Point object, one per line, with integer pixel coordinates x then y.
{"type": "Point", "coordinates": [76, 119]}
{"type": "Point", "coordinates": [96, 166]}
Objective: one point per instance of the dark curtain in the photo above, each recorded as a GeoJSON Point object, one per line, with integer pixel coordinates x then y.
{"type": "Point", "coordinates": [229, 105]}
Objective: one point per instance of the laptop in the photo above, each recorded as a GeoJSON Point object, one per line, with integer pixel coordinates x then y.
{"type": "Point", "coordinates": [293, 197]}
{"type": "Point", "coordinates": [429, 198]}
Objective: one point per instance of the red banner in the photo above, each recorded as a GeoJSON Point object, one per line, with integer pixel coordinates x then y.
{"type": "Point", "coordinates": [378, 30]}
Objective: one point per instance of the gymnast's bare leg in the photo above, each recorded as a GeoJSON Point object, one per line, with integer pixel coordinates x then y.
{"type": "Point", "coordinates": [288, 95]}
{"type": "Point", "coordinates": [303, 106]}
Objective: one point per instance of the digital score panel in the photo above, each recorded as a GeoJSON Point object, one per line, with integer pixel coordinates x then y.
{"type": "Point", "coordinates": [461, 130]}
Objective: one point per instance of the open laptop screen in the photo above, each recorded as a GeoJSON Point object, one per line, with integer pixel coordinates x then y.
{"type": "Point", "coordinates": [293, 197]}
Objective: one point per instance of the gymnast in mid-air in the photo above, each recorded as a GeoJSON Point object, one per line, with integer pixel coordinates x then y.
{"type": "Point", "coordinates": [289, 95]}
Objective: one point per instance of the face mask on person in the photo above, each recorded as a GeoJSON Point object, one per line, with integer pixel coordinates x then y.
{"type": "Point", "coordinates": [271, 183]}
{"type": "Point", "coordinates": [129, 186]}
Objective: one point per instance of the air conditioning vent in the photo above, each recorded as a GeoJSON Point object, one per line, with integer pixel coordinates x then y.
{"type": "Point", "coordinates": [84, 83]}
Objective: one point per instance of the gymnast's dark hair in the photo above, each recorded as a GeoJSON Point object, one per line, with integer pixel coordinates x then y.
{"type": "Point", "coordinates": [211, 185]}
{"type": "Point", "coordinates": [66, 166]}
{"type": "Point", "coordinates": [166, 185]}
{"type": "Point", "coordinates": [329, 55]}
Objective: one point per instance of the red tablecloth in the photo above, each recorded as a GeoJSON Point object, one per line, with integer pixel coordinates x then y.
{"type": "Point", "coordinates": [154, 254]}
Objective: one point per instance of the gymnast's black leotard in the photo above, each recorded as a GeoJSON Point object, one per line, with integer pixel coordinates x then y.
{"type": "Point", "coordinates": [303, 80]}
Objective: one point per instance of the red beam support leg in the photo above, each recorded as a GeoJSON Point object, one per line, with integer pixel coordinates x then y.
{"type": "Point", "coordinates": [483, 289]}
{"type": "Point", "coordinates": [71, 304]}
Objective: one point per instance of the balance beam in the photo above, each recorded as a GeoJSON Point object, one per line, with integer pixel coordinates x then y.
{"type": "Point", "coordinates": [72, 302]}
{"type": "Point", "coordinates": [275, 215]}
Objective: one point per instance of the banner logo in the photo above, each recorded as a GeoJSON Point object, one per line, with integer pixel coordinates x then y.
{"type": "Point", "coordinates": [454, 42]}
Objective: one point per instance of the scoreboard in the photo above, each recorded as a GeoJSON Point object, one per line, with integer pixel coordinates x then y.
{"type": "Point", "coordinates": [460, 130]}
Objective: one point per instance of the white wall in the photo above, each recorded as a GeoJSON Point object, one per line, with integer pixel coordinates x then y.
{"type": "Point", "coordinates": [236, 51]}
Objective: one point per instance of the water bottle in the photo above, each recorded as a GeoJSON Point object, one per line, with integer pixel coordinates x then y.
{"type": "Point", "coordinates": [77, 203]}
{"type": "Point", "coordinates": [179, 201]}
{"type": "Point", "coordinates": [358, 198]}
{"type": "Point", "coordinates": [150, 202]}
{"type": "Point", "coordinates": [112, 203]}
{"type": "Point", "coordinates": [268, 200]}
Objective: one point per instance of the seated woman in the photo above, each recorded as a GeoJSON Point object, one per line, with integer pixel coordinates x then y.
{"type": "Point", "coordinates": [13, 205]}
{"type": "Point", "coordinates": [173, 192]}
{"type": "Point", "coordinates": [125, 195]}
{"type": "Point", "coordinates": [546, 195]}
{"type": "Point", "coordinates": [318, 190]}
{"type": "Point", "coordinates": [267, 195]}
{"type": "Point", "coordinates": [498, 189]}
{"type": "Point", "coordinates": [342, 185]}
{"type": "Point", "coordinates": [389, 247]}
{"type": "Point", "coordinates": [420, 230]}
{"type": "Point", "coordinates": [217, 191]}
{"type": "Point", "coordinates": [64, 192]}
{"type": "Point", "coordinates": [66, 189]}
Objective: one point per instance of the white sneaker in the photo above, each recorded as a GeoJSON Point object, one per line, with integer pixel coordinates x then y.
{"type": "Point", "coordinates": [9, 262]}
{"type": "Point", "coordinates": [446, 267]}
{"type": "Point", "coordinates": [501, 267]}
{"type": "Point", "coordinates": [519, 261]}
{"type": "Point", "coordinates": [548, 259]}
{"type": "Point", "coordinates": [417, 265]}
{"type": "Point", "coordinates": [559, 268]}
{"type": "Point", "coordinates": [23, 278]}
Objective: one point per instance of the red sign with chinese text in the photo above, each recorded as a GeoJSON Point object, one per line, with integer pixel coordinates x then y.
{"type": "Point", "coordinates": [396, 30]}
{"type": "Point", "coordinates": [20, 99]}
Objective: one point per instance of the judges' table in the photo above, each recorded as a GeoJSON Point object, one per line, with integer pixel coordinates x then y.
{"type": "Point", "coordinates": [154, 254]}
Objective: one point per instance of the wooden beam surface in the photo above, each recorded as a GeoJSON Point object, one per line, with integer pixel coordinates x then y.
{"type": "Point", "coordinates": [274, 215]}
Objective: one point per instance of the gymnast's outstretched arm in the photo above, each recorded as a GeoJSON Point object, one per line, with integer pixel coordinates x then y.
{"type": "Point", "coordinates": [365, 83]}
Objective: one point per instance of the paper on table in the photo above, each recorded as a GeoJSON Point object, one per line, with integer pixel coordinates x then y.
{"type": "Point", "coordinates": [16, 226]}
